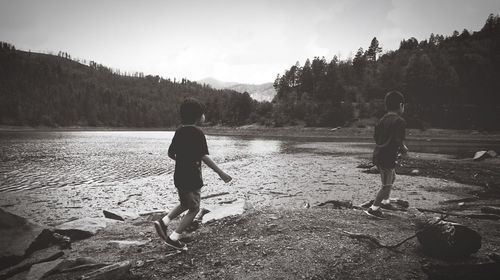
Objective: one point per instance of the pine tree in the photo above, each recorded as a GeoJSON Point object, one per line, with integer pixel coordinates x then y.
{"type": "Point", "coordinates": [373, 50]}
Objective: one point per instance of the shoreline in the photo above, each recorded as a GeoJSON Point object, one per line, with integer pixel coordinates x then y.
{"type": "Point", "coordinates": [316, 133]}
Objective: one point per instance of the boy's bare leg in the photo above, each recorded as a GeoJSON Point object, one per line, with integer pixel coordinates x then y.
{"type": "Point", "coordinates": [382, 194]}
{"type": "Point", "coordinates": [387, 177]}
{"type": "Point", "coordinates": [190, 201]}
{"type": "Point", "coordinates": [179, 209]}
{"type": "Point", "coordinates": [187, 220]}
{"type": "Point", "coordinates": [162, 224]}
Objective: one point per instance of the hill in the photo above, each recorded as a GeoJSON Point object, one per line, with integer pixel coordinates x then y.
{"type": "Point", "coordinates": [259, 92]}
{"type": "Point", "coordinates": [44, 89]}
{"type": "Point", "coordinates": [448, 81]}
{"type": "Point", "coordinates": [216, 83]}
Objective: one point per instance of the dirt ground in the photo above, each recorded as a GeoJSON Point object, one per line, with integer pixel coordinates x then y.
{"type": "Point", "coordinates": [278, 244]}
{"type": "Point", "coordinates": [285, 235]}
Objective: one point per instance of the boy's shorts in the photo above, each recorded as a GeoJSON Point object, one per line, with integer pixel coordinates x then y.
{"type": "Point", "coordinates": [387, 175]}
{"type": "Point", "coordinates": [190, 199]}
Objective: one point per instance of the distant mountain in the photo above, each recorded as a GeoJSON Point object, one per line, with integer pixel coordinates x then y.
{"type": "Point", "coordinates": [260, 92]}
{"type": "Point", "coordinates": [216, 83]}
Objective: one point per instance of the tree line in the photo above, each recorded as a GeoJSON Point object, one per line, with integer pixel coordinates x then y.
{"type": "Point", "coordinates": [451, 82]}
{"type": "Point", "coordinates": [42, 89]}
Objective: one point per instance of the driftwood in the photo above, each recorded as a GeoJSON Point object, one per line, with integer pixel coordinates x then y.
{"type": "Point", "coordinates": [337, 204]}
{"type": "Point", "coordinates": [83, 267]}
{"type": "Point", "coordinates": [228, 201]}
{"type": "Point", "coordinates": [398, 204]}
{"type": "Point", "coordinates": [466, 199]}
{"type": "Point", "coordinates": [492, 217]}
{"type": "Point", "coordinates": [128, 197]}
{"type": "Point", "coordinates": [280, 193]}
{"type": "Point", "coordinates": [214, 195]}
{"type": "Point", "coordinates": [491, 210]}
{"type": "Point", "coordinates": [392, 246]}
{"type": "Point", "coordinates": [376, 241]}
{"type": "Point", "coordinates": [369, 238]}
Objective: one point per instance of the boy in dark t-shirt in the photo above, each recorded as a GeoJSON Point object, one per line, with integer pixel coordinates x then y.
{"type": "Point", "coordinates": [389, 139]}
{"type": "Point", "coordinates": [188, 149]}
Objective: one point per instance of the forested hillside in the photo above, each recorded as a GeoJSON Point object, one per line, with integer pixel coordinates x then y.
{"type": "Point", "coordinates": [451, 82]}
{"type": "Point", "coordinates": [42, 89]}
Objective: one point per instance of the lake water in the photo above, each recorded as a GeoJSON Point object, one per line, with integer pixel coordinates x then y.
{"type": "Point", "coordinates": [31, 160]}
{"type": "Point", "coordinates": [53, 176]}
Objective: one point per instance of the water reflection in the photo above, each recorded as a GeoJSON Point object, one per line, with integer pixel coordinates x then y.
{"type": "Point", "coordinates": [31, 160]}
{"type": "Point", "coordinates": [263, 146]}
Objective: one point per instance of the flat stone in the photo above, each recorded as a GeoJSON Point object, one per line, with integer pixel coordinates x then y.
{"type": "Point", "coordinates": [81, 228]}
{"type": "Point", "coordinates": [153, 215]}
{"type": "Point", "coordinates": [120, 215]}
{"type": "Point", "coordinates": [38, 271]}
{"type": "Point", "coordinates": [480, 155]}
{"type": "Point", "coordinates": [17, 234]}
{"type": "Point", "coordinates": [237, 208]}
{"type": "Point", "coordinates": [116, 271]}
{"type": "Point", "coordinates": [76, 262]}
{"type": "Point", "coordinates": [48, 254]}
{"type": "Point", "coordinates": [127, 243]}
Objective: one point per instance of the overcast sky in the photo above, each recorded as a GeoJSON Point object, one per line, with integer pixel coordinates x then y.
{"type": "Point", "coordinates": [247, 41]}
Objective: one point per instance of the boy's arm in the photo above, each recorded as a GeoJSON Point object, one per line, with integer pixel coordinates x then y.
{"type": "Point", "coordinates": [171, 148]}
{"type": "Point", "coordinates": [401, 137]}
{"type": "Point", "coordinates": [171, 152]}
{"type": "Point", "coordinates": [208, 161]}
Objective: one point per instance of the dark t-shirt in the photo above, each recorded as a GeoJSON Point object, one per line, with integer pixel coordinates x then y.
{"type": "Point", "coordinates": [188, 146]}
{"type": "Point", "coordinates": [389, 136]}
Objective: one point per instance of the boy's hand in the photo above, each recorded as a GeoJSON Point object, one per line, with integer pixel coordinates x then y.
{"type": "Point", "coordinates": [404, 149]}
{"type": "Point", "coordinates": [226, 178]}
{"type": "Point", "coordinates": [404, 152]}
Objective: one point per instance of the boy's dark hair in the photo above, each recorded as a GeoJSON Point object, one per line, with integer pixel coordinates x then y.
{"type": "Point", "coordinates": [191, 111]}
{"type": "Point", "coordinates": [393, 99]}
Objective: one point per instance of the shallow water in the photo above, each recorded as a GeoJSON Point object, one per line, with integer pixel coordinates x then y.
{"type": "Point", "coordinates": [53, 176]}
{"type": "Point", "coordinates": [41, 160]}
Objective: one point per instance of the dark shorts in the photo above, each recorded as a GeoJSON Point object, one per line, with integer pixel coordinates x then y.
{"type": "Point", "coordinates": [190, 199]}
{"type": "Point", "coordinates": [387, 175]}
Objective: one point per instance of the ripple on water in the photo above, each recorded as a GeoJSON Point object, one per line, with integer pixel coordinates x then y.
{"type": "Point", "coordinates": [53, 160]}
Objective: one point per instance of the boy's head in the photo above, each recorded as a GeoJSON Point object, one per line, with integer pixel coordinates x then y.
{"type": "Point", "coordinates": [192, 111]}
{"type": "Point", "coordinates": [395, 101]}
